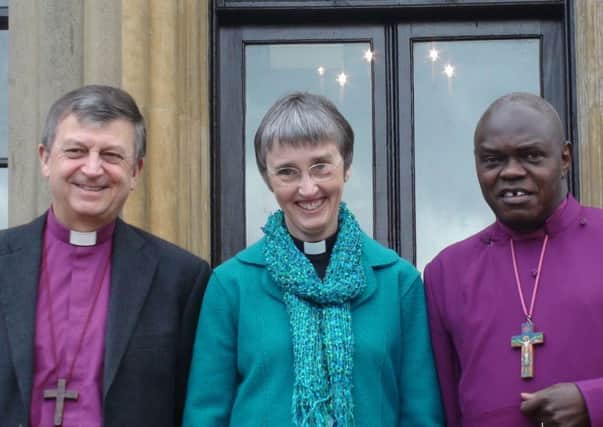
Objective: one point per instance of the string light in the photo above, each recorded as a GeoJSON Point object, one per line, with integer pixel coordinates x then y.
{"type": "Point", "coordinates": [434, 54]}
{"type": "Point", "coordinates": [368, 55]}
{"type": "Point", "coordinates": [449, 71]}
{"type": "Point", "coordinates": [342, 79]}
{"type": "Point", "coordinates": [320, 70]}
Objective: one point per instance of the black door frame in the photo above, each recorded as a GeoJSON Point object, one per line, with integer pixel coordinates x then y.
{"type": "Point", "coordinates": [395, 25]}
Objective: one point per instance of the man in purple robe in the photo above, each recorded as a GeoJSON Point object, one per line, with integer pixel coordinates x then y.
{"type": "Point", "coordinates": [516, 310]}
{"type": "Point", "coordinates": [97, 317]}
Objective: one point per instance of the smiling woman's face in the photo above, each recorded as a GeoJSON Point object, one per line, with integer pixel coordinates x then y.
{"type": "Point", "coordinates": [311, 208]}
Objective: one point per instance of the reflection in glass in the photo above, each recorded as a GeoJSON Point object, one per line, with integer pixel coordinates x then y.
{"type": "Point", "coordinates": [340, 72]}
{"type": "Point", "coordinates": [4, 93]}
{"type": "Point", "coordinates": [454, 82]}
{"type": "Point", "coordinates": [3, 198]}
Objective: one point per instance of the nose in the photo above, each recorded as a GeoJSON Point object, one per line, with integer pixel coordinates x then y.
{"type": "Point", "coordinates": [307, 186]}
{"type": "Point", "coordinates": [93, 165]}
{"type": "Point", "coordinates": [512, 169]}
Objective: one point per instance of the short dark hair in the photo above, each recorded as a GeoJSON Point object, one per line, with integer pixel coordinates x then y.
{"type": "Point", "coordinates": [530, 100]}
{"type": "Point", "coordinates": [96, 104]}
{"type": "Point", "coordinates": [303, 118]}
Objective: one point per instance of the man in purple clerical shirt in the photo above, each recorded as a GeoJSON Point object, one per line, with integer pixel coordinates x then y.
{"type": "Point", "coordinates": [97, 317]}
{"type": "Point", "coordinates": [516, 310]}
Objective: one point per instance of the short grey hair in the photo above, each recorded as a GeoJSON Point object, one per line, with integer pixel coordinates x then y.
{"type": "Point", "coordinates": [96, 104]}
{"type": "Point", "coordinates": [301, 118]}
{"type": "Point", "coordinates": [530, 100]}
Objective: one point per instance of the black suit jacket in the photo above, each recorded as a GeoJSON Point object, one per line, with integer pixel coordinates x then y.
{"type": "Point", "coordinates": [156, 292]}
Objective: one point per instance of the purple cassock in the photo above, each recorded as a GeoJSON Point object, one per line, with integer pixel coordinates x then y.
{"type": "Point", "coordinates": [475, 310]}
{"type": "Point", "coordinates": [73, 275]}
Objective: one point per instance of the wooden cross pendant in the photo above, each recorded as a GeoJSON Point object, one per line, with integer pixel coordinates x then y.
{"type": "Point", "coordinates": [60, 394]}
{"type": "Point", "coordinates": [526, 340]}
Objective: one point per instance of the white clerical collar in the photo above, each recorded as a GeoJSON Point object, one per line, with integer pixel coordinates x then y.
{"type": "Point", "coordinates": [315, 248]}
{"type": "Point", "coordinates": [82, 238]}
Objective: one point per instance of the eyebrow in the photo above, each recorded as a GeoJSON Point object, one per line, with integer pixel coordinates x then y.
{"type": "Point", "coordinates": [537, 143]}
{"type": "Point", "coordinates": [110, 147]}
{"type": "Point", "coordinates": [324, 158]}
{"type": "Point", "coordinates": [328, 158]}
{"type": "Point", "coordinates": [73, 142]}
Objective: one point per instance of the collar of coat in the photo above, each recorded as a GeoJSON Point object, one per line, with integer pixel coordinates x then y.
{"type": "Point", "coordinates": [374, 257]}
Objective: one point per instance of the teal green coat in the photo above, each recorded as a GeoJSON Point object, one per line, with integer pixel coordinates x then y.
{"type": "Point", "coordinates": [242, 368]}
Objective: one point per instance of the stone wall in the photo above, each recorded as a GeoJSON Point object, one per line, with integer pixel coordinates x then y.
{"type": "Point", "coordinates": [155, 49]}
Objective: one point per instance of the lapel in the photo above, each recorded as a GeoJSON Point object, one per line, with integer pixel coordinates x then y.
{"type": "Point", "coordinates": [20, 256]}
{"type": "Point", "coordinates": [374, 257]}
{"type": "Point", "coordinates": [133, 266]}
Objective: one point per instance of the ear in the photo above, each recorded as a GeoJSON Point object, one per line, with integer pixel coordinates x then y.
{"type": "Point", "coordinates": [136, 173]}
{"type": "Point", "coordinates": [347, 174]}
{"type": "Point", "coordinates": [566, 158]}
{"type": "Point", "coordinates": [44, 156]}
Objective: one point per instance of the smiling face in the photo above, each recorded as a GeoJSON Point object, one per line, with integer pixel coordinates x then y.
{"type": "Point", "coordinates": [521, 162]}
{"type": "Point", "coordinates": [311, 209]}
{"type": "Point", "coordinates": [91, 168]}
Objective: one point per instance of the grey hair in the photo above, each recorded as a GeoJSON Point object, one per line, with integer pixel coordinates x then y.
{"type": "Point", "coordinates": [301, 118]}
{"type": "Point", "coordinates": [530, 100]}
{"type": "Point", "coordinates": [96, 104]}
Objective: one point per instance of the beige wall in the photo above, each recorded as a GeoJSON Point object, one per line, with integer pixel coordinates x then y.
{"type": "Point", "coordinates": [589, 95]}
{"type": "Point", "coordinates": [158, 51]}
{"type": "Point", "coordinates": [155, 49]}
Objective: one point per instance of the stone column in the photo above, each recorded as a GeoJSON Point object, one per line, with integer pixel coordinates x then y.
{"type": "Point", "coordinates": [165, 67]}
{"type": "Point", "coordinates": [54, 46]}
{"type": "Point", "coordinates": [589, 92]}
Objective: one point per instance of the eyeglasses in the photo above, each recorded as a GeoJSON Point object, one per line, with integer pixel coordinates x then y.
{"type": "Point", "coordinates": [318, 172]}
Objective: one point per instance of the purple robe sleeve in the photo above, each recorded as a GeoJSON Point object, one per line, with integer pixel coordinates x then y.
{"type": "Point", "coordinates": [443, 349]}
{"type": "Point", "coordinates": [592, 391]}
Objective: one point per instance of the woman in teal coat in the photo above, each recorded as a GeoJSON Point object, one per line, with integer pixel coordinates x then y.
{"type": "Point", "coordinates": [316, 324]}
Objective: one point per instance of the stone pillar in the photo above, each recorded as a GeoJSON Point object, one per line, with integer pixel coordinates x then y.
{"type": "Point", "coordinates": [589, 92]}
{"type": "Point", "coordinates": [44, 62]}
{"type": "Point", "coordinates": [54, 46]}
{"type": "Point", "coordinates": [165, 67]}
{"type": "Point", "coordinates": [101, 51]}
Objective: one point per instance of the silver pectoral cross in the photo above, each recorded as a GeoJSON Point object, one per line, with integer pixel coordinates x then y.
{"type": "Point", "coordinates": [60, 394]}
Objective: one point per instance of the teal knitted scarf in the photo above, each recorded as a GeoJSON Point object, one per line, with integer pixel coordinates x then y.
{"type": "Point", "coordinates": [320, 319]}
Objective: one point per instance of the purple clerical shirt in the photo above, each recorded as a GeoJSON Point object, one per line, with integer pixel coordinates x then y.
{"type": "Point", "coordinates": [474, 310]}
{"type": "Point", "coordinates": [73, 273]}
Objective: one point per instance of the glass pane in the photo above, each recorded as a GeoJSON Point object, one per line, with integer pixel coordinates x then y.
{"type": "Point", "coordinates": [3, 198]}
{"type": "Point", "coordinates": [4, 3]}
{"type": "Point", "coordinates": [4, 93]}
{"type": "Point", "coordinates": [274, 70]}
{"type": "Point", "coordinates": [454, 82]}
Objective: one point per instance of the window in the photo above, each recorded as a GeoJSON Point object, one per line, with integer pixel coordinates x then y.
{"type": "Point", "coordinates": [3, 113]}
{"type": "Point", "coordinates": [454, 81]}
{"type": "Point", "coordinates": [416, 189]}
{"type": "Point", "coordinates": [338, 71]}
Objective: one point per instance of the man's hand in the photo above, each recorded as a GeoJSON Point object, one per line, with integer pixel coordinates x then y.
{"type": "Point", "coordinates": [559, 405]}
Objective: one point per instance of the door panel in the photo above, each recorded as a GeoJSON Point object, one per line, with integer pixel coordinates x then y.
{"type": "Point", "coordinates": [340, 71]}
{"type": "Point", "coordinates": [258, 65]}
{"type": "Point", "coordinates": [454, 82]}
{"type": "Point", "coordinates": [413, 184]}
{"type": "Point", "coordinates": [441, 202]}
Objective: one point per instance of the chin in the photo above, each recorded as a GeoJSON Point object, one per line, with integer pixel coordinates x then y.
{"type": "Point", "coordinates": [314, 232]}
{"type": "Point", "coordinates": [522, 224]}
